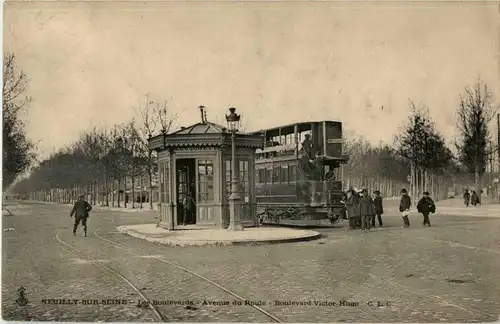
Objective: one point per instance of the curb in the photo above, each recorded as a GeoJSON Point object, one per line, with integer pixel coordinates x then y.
{"type": "Point", "coordinates": [176, 243]}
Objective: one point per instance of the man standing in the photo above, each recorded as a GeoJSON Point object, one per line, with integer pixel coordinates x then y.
{"type": "Point", "coordinates": [367, 210]}
{"type": "Point", "coordinates": [379, 209]}
{"type": "Point", "coordinates": [81, 211]}
{"type": "Point", "coordinates": [426, 206]}
{"type": "Point", "coordinates": [352, 206]}
{"type": "Point", "coordinates": [404, 207]}
{"type": "Point", "coordinates": [188, 205]}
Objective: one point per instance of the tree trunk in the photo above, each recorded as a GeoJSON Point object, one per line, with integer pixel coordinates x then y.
{"type": "Point", "coordinates": [150, 189]}
{"type": "Point", "coordinates": [113, 192]}
{"type": "Point", "coordinates": [140, 195]}
{"type": "Point", "coordinates": [133, 189]}
{"type": "Point", "coordinates": [477, 181]}
{"type": "Point", "coordinates": [119, 186]}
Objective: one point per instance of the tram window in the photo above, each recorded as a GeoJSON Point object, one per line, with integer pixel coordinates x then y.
{"type": "Point", "coordinates": [269, 175]}
{"type": "Point", "coordinates": [276, 174]}
{"type": "Point", "coordinates": [284, 174]}
{"type": "Point", "coordinates": [292, 173]}
{"type": "Point", "coordinates": [262, 175]}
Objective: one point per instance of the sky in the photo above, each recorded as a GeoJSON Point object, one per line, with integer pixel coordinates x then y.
{"type": "Point", "coordinates": [91, 63]}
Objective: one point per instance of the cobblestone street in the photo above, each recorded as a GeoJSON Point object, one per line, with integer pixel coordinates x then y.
{"type": "Point", "coordinates": [445, 273]}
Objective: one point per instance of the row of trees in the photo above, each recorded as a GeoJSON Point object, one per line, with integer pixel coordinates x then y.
{"type": "Point", "coordinates": [102, 159]}
{"type": "Point", "coordinates": [18, 150]}
{"type": "Point", "coordinates": [420, 157]}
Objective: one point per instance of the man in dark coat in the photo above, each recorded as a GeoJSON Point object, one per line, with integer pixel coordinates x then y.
{"type": "Point", "coordinates": [404, 207]}
{"type": "Point", "coordinates": [81, 211]}
{"type": "Point", "coordinates": [188, 205]}
{"type": "Point", "coordinates": [352, 205]}
{"type": "Point", "coordinates": [474, 199]}
{"type": "Point", "coordinates": [367, 210]}
{"type": "Point", "coordinates": [466, 198]}
{"type": "Point", "coordinates": [426, 206]}
{"type": "Point", "coordinates": [379, 208]}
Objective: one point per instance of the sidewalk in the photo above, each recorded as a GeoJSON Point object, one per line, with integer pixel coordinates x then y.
{"type": "Point", "coordinates": [197, 236]}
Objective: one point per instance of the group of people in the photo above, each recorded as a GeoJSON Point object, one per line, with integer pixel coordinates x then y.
{"type": "Point", "coordinates": [471, 199]}
{"type": "Point", "coordinates": [362, 210]}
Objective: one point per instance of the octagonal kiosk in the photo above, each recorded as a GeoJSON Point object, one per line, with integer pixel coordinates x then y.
{"type": "Point", "coordinates": [195, 176]}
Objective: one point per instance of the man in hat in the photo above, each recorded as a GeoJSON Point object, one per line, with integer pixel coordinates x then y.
{"type": "Point", "coordinates": [404, 207]}
{"type": "Point", "coordinates": [466, 197]}
{"type": "Point", "coordinates": [307, 146]}
{"type": "Point", "coordinates": [188, 206]}
{"type": "Point", "coordinates": [81, 211]}
{"type": "Point", "coordinates": [352, 206]}
{"type": "Point", "coordinates": [426, 206]}
{"type": "Point", "coordinates": [367, 210]}
{"type": "Point", "coordinates": [379, 208]}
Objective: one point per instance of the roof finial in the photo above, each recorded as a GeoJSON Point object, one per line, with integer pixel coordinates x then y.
{"type": "Point", "coordinates": [203, 114]}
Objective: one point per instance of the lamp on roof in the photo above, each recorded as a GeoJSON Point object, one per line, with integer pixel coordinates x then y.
{"type": "Point", "coordinates": [233, 120]}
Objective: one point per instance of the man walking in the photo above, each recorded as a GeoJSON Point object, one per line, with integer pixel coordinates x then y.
{"type": "Point", "coordinates": [466, 198]}
{"type": "Point", "coordinates": [404, 207]}
{"type": "Point", "coordinates": [81, 211]}
{"type": "Point", "coordinates": [426, 206]}
{"type": "Point", "coordinates": [379, 208]}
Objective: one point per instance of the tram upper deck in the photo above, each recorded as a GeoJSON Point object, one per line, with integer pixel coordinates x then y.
{"type": "Point", "coordinates": [316, 139]}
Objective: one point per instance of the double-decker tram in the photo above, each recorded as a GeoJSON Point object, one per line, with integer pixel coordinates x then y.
{"type": "Point", "coordinates": [298, 179]}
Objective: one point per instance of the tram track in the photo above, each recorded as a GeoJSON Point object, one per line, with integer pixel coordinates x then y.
{"type": "Point", "coordinates": [110, 270]}
{"type": "Point", "coordinates": [414, 291]}
{"type": "Point", "coordinates": [142, 253]}
{"type": "Point", "coordinates": [410, 289]}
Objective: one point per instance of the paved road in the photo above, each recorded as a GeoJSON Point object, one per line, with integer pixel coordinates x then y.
{"type": "Point", "coordinates": [446, 273]}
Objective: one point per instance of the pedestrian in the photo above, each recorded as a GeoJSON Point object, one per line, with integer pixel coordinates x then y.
{"type": "Point", "coordinates": [352, 206]}
{"type": "Point", "coordinates": [379, 208]}
{"type": "Point", "coordinates": [404, 207]}
{"type": "Point", "coordinates": [367, 210]}
{"type": "Point", "coordinates": [187, 205]}
{"type": "Point", "coordinates": [474, 198]}
{"type": "Point", "coordinates": [81, 211]}
{"type": "Point", "coordinates": [343, 210]}
{"type": "Point", "coordinates": [466, 198]}
{"type": "Point", "coordinates": [426, 206]}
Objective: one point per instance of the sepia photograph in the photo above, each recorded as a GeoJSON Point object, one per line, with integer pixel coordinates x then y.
{"type": "Point", "coordinates": [251, 161]}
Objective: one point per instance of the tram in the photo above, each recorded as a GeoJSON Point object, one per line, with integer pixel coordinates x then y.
{"type": "Point", "coordinates": [298, 179]}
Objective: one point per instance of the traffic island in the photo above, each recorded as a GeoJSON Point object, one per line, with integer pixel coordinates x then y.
{"type": "Point", "coordinates": [193, 236]}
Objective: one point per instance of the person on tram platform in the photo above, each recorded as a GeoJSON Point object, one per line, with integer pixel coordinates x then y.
{"type": "Point", "coordinates": [307, 146]}
{"type": "Point", "coordinates": [330, 175]}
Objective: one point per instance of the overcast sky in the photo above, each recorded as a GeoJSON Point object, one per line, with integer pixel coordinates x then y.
{"type": "Point", "coordinates": [278, 63]}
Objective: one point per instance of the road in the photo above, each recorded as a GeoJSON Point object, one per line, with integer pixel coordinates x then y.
{"type": "Point", "coordinates": [445, 273]}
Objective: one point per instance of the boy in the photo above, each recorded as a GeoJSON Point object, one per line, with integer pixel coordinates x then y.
{"type": "Point", "coordinates": [426, 206]}
{"type": "Point", "coordinates": [379, 209]}
{"type": "Point", "coordinates": [404, 207]}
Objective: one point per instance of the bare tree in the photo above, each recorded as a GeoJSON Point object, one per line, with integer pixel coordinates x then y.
{"type": "Point", "coordinates": [154, 118]}
{"type": "Point", "coordinates": [474, 114]}
{"type": "Point", "coordinates": [18, 150]}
